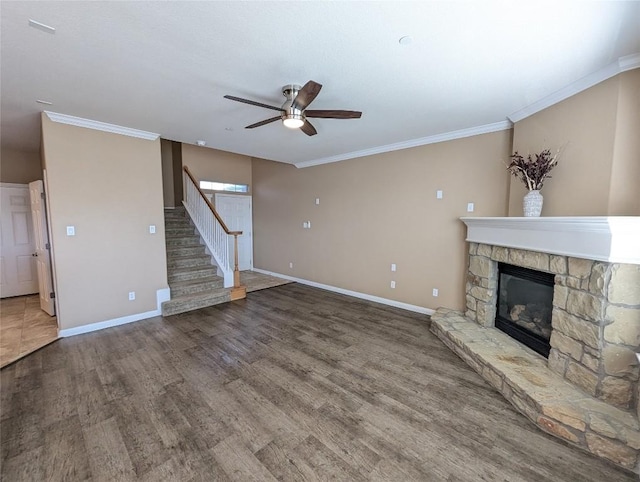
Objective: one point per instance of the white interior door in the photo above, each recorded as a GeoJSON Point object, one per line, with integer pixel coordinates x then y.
{"type": "Point", "coordinates": [42, 246]}
{"type": "Point", "coordinates": [235, 211]}
{"type": "Point", "coordinates": [17, 263]}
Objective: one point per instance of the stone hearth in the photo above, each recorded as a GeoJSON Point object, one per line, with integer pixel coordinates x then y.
{"type": "Point", "coordinates": [587, 392]}
{"type": "Point", "coordinates": [544, 397]}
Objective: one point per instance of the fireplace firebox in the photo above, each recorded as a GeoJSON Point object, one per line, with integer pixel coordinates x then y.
{"type": "Point", "coordinates": [525, 306]}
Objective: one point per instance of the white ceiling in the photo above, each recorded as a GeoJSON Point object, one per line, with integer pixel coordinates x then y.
{"type": "Point", "coordinates": [165, 66]}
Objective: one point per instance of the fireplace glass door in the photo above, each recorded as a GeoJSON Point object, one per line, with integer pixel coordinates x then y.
{"type": "Point", "coordinates": [525, 304]}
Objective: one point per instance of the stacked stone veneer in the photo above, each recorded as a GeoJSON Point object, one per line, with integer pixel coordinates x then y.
{"type": "Point", "coordinates": [595, 323]}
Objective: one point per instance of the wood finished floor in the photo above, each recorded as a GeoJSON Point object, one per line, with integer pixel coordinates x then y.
{"type": "Point", "coordinates": [293, 383]}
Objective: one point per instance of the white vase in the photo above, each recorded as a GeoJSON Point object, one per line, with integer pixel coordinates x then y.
{"type": "Point", "coordinates": [532, 204]}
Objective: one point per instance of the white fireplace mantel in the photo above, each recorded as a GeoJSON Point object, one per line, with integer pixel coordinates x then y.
{"type": "Point", "coordinates": [615, 239]}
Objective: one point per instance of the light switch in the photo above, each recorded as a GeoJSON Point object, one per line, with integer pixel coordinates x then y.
{"type": "Point", "coordinates": [71, 230]}
{"type": "Point", "coordinates": [470, 207]}
{"type": "Point", "coordinates": [152, 229]}
{"type": "Point", "coordinates": [393, 266]}
{"type": "Point", "coordinates": [317, 200]}
{"type": "Point", "coordinates": [438, 194]}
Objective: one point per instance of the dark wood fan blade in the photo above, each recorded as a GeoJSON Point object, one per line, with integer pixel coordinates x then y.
{"type": "Point", "coordinates": [252, 102]}
{"type": "Point", "coordinates": [333, 114]}
{"type": "Point", "coordinates": [308, 129]}
{"type": "Point", "coordinates": [306, 95]}
{"type": "Point", "coordinates": [264, 122]}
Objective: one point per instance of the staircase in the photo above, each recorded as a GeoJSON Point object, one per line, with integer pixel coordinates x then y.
{"type": "Point", "coordinates": [193, 280]}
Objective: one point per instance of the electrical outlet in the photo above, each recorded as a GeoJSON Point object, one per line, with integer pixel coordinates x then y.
{"type": "Point", "coordinates": [152, 229]}
{"type": "Point", "coordinates": [317, 200]}
{"type": "Point", "coordinates": [393, 284]}
{"type": "Point", "coordinates": [132, 295]}
{"type": "Point", "coordinates": [435, 292]}
{"type": "Point", "coordinates": [291, 265]}
{"type": "Point", "coordinates": [438, 194]}
{"type": "Point", "coordinates": [71, 230]}
{"type": "Point", "coordinates": [393, 266]}
{"type": "Point", "coordinates": [470, 207]}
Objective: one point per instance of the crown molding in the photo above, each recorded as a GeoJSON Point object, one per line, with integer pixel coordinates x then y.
{"type": "Point", "coordinates": [629, 62]}
{"type": "Point", "coordinates": [623, 64]}
{"type": "Point", "coordinates": [100, 126]}
{"type": "Point", "coordinates": [447, 136]}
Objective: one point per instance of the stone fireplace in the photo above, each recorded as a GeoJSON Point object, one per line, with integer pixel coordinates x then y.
{"type": "Point", "coordinates": [594, 265]}
{"type": "Point", "coordinates": [587, 346]}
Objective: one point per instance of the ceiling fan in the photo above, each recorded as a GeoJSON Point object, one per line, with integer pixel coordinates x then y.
{"type": "Point", "coordinates": [293, 112]}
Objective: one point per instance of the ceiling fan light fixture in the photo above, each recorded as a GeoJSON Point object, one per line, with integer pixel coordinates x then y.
{"type": "Point", "coordinates": [293, 113]}
{"type": "Point", "coordinates": [293, 121]}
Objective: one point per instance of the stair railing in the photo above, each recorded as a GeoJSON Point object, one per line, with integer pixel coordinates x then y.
{"type": "Point", "coordinates": [214, 232]}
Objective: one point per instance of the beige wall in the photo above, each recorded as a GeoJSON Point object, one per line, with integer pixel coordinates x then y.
{"type": "Point", "coordinates": [20, 167]}
{"type": "Point", "coordinates": [110, 188]}
{"type": "Point", "coordinates": [590, 127]}
{"type": "Point", "coordinates": [379, 210]}
{"type": "Point", "coordinates": [214, 165]}
{"type": "Point", "coordinates": [624, 197]}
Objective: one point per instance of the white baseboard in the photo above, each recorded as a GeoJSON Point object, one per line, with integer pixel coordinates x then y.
{"type": "Point", "coordinates": [355, 294]}
{"type": "Point", "coordinates": [162, 295]}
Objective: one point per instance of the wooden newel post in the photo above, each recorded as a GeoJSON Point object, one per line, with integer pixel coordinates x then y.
{"type": "Point", "coordinates": [237, 292]}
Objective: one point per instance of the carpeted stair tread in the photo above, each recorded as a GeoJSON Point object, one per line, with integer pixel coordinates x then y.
{"type": "Point", "coordinates": [193, 260]}
{"type": "Point", "coordinates": [183, 241]}
{"type": "Point", "coordinates": [176, 231]}
{"type": "Point", "coordinates": [178, 251]}
{"type": "Point", "coordinates": [192, 273]}
{"type": "Point", "coordinates": [195, 301]}
{"type": "Point", "coordinates": [181, 288]}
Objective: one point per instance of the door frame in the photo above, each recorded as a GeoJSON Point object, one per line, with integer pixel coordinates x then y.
{"type": "Point", "coordinates": [52, 257]}
{"type": "Point", "coordinates": [218, 195]}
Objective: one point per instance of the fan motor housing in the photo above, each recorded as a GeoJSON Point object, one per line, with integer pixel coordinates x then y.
{"type": "Point", "coordinates": [290, 91]}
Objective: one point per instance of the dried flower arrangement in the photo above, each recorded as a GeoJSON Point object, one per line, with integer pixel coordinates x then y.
{"type": "Point", "coordinates": [532, 172]}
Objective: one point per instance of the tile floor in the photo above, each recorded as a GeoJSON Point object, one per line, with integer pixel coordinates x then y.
{"type": "Point", "coordinates": [24, 328]}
